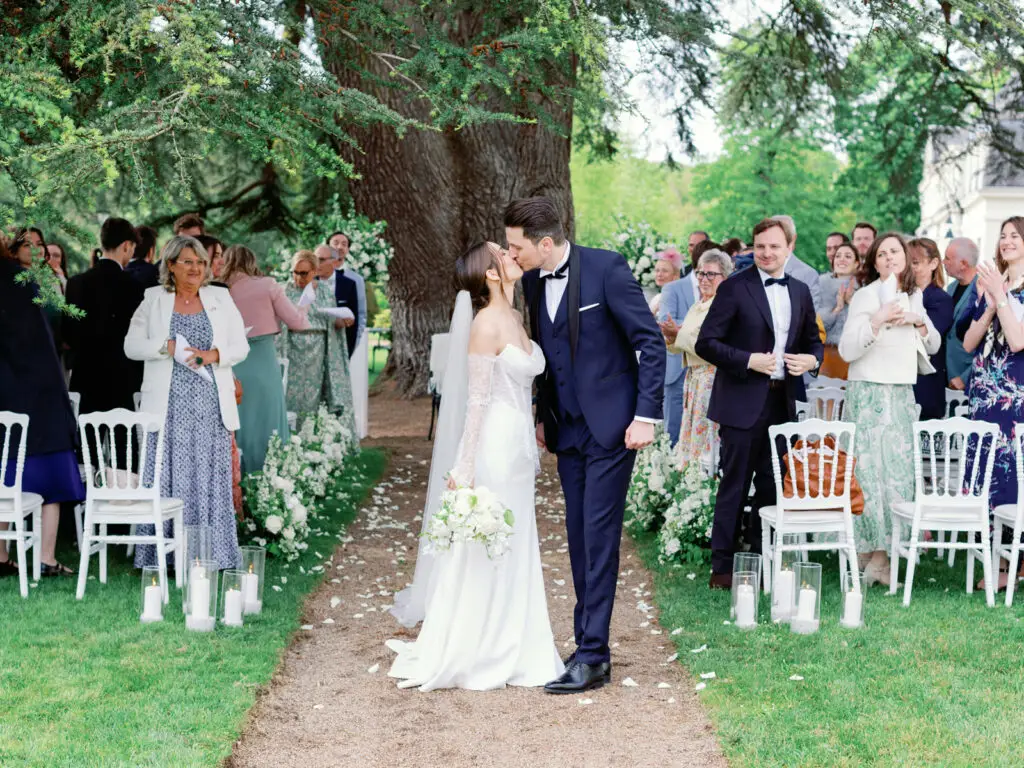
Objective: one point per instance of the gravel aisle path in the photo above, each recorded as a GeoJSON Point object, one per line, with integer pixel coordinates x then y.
{"type": "Point", "coordinates": [332, 704]}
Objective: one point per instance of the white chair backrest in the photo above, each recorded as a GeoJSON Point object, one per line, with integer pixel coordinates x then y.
{"type": "Point", "coordinates": [953, 460]}
{"type": "Point", "coordinates": [825, 403]}
{"type": "Point", "coordinates": [76, 402]}
{"type": "Point", "coordinates": [438, 360]}
{"type": "Point", "coordinates": [12, 453]}
{"type": "Point", "coordinates": [811, 447]}
{"type": "Point", "coordinates": [137, 399]}
{"type": "Point", "coordinates": [828, 381]}
{"type": "Point", "coordinates": [283, 362]}
{"type": "Point", "coordinates": [111, 442]}
{"type": "Point", "coordinates": [956, 403]}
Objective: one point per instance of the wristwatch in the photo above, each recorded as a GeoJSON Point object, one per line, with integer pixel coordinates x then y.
{"type": "Point", "coordinates": [1002, 303]}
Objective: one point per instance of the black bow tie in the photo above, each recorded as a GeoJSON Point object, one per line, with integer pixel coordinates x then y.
{"type": "Point", "coordinates": [558, 274]}
{"type": "Point", "coordinates": [783, 281]}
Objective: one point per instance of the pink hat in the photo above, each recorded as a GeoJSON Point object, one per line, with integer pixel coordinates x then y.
{"type": "Point", "coordinates": [672, 256]}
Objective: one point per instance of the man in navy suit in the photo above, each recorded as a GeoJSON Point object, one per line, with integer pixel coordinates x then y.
{"type": "Point", "coordinates": [597, 403]}
{"type": "Point", "coordinates": [762, 336]}
{"type": "Point", "coordinates": [346, 292]}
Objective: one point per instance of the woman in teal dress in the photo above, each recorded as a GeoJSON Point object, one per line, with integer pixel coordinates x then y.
{"type": "Point", "coordinates": [318, 358]}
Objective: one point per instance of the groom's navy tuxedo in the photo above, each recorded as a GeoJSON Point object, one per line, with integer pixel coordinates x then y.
{"type": "Point", "coordinates": [605, 367]}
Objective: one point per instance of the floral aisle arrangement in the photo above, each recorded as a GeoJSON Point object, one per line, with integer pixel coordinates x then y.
{"type": "Point", "coordinates": [281, 500]}
{"type": "Point", "coordinates": [639, 243]}
{"type": "Point", "coordinates": [651, 490]}
{"type": "Point", "coordinates": [471, 514]}
{"type": "Point", "coordinates": [687, 527]}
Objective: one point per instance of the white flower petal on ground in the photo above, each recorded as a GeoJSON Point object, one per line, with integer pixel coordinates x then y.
{"type": "Point", "coordinates": [707, 675]}
{"type": "Point", "coordinates": [315, 706]}
{"type": "Point", "coordinates": [275, 587]}
{"type": "Point", "coordinates": [672, 658]}
{"type": "Point", "coordinates": [691, 576]}
{"type": "Point", "coordinates": [306, 627]}
{"type": "Point", "coordinates": [664, 685]}
{"type": "Point", "coordinates": [699, 650]}
{"type": "Point", "coordinates": [797, 678]}
{"type": "Point", "coordinates": [700, 686]}
{"type": "Point", "coordinates": [374, 669]}
{"type": "Point", "coordinates": [677, 631]}
{"type": "Point", "coordinates": [629, 682]}
{"type": "Point", "coordinates": [357, 615]}
{"type": "Point", "coordinates": [585, 702]}
{"type": "Point", "coordinates": [559, 582]}
{"type": "Point", "coordinates": [671, 700]}
{"type": "Point", "coordinates": [327, 621]}
{"type": "Point", "coordinates": [335, 601]}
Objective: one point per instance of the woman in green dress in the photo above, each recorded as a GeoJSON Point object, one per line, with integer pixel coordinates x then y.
{"type": "Point", "coordinates": [317, 358]}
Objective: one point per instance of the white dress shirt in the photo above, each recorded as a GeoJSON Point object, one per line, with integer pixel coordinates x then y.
{"type": "Point", "coordinates": [554, 290]}
{"type": "Point", "coordinates": [782, 313]}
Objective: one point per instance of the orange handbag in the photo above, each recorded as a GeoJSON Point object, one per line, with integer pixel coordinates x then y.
{"type": "Point", "coordinates": [817, 467]}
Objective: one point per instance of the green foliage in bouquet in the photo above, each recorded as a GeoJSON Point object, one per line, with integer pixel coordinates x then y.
{"type": "Point", "coordinates": [638, 242]}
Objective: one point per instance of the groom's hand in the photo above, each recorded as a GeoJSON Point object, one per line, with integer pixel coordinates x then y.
{"type": "Point", "coordinates": [639, 435]}
{"type": "Point", "coordinates": [541, 442]}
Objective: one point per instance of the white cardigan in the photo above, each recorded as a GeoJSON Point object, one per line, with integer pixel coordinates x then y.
{"type": "Point", "coordinates": [147, 338]}
{"type": "Point", "coordinates": [891, 357]}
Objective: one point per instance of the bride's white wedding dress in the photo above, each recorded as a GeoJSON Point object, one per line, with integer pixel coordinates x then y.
{"type": "Point", "coordinates": [486, 621]}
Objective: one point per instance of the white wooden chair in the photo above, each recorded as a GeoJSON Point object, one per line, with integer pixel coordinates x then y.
{"type": "Point", "coordinates": [438, 362]}
{"type": "Point", "coordinates": [76, 402]}
{"type": "Point", "coordinates": [114, 494]}
{"type": "Point", "coordinates": [293, 417]}
{"type": "Point", "coordinates": [808, 509]}
{"type": "Point", "coordinates": [16, 506]}
{"type": "Point", "coordinates": [1010, 516]}
{"type": "Point", "coordinates": [822, 403]}
{"type": "Point", "coordinates": [953, 497]}
{"type": "Point", "coordinates": [956, 403]}
{"type": "Point", "coordinates": [828, 382]}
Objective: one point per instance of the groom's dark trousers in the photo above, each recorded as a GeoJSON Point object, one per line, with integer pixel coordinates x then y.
{"type": "Point", "coordinates": [593, 387]}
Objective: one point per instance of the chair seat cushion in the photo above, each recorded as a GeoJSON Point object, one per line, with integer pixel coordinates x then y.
{"type": "Point", "coordinates": [931, 513]}
{"type": "Point", "coordinates": [130, 508]}
{"type": "Point", "coordinates": [1006, 512]}
{"type": "Point", "coordinates": [804, 517]}
{"type": "Point", "coordinates": [29, 502]}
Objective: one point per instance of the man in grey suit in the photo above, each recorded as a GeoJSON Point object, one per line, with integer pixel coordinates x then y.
{"type": "Point", "coordinates": [676, 299]}
{"type": "Point", "coordinates": [961, 262]}
{"type": "Point", "coordinates": [802, 271]}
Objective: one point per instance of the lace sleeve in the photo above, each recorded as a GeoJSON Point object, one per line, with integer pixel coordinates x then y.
{"type": "Point", "coordinates": [481, 372]}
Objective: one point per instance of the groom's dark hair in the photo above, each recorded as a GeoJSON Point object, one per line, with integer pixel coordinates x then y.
{"type": "Point", "coordinates": [538, 217]}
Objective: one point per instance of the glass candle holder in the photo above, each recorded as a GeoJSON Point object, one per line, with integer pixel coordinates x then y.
{"type": "Point", "coordinates": [853, 603]}
{"type": "Point", "coordinates": [806, 617]}
{"type": "Point", "coordinates": [232, 584]}
{"type": "Point", "coordinates": [784, 581]}
{"type": "Point", "coordinates": [745, 593]}
{"type": "Point", "coordinates": [198, 547]}
{"type": "Point", "coordinates": [200, 596]}
{"type": "Point", "coordinates": [254, 561]}
{"type": "Point", "coordinates": [152, 608]}
{"type": "Point", "coordinates": [743, 562]}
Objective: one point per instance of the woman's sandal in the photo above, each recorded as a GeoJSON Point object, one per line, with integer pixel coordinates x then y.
{"type": "Point", "coordinates": [8, 568]}
{"type": "Point", "coordinates": [57, 569]}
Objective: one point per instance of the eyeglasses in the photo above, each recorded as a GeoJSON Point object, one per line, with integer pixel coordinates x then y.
{"type": "Point", "coordinates": [707, 275]}
{"type": "Point", "coordinates": [301, 272]}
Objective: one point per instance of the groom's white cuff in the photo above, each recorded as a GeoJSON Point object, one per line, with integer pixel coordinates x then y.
{"type": "Point", "coordinates": [646, 420]}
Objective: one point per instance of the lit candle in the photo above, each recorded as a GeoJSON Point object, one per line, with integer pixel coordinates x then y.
{"type": "Point", "coordinates": [805, 606]}
{"type": "Point", "coordinates": [250, 591]}
{"type": "Point", "coordinates": [745, 606]}
{"type": "Point", "coordinates": [784, 586]}
{"type": "Point", "coordinates": [152, 603]}
{"type": "Point", "coordinates": [233, 607]}
{"type": "Point", "coordinates": [199, 598]}
{"type": "Point", "coordinates": [852, 604]}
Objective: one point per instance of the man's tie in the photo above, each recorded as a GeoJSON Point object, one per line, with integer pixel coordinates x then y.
{"type": "Point", "coordinates": [783, 281]}
{"type": "Point", "coordinates": [558, 274]}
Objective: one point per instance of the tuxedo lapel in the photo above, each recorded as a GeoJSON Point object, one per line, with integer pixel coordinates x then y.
{"type": "Point", "coordinates": [572, 296]}
{"type": "Point", "coordinates": [533, 296]}
{"type": "Point", "coordinates": [794, 314]}
{"type": "Point", "coordinates": [757, 293]}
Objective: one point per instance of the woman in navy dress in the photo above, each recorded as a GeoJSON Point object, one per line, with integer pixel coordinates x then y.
{"type": "Point", "coordinates": [930, 390]}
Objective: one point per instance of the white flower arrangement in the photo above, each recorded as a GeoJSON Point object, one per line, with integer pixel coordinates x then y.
{"type": "Point", "coordinates": [687, 527]}
{"type": "Point", "coordinates": [651, 489]}
{"type": "Point", "coordinates": [471, 514]}
{"type": "Point", "coordinates": [639, 243]}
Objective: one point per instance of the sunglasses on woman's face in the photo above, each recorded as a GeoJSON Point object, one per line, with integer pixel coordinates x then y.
{"type": "Point", "coordinates": [301, 272]}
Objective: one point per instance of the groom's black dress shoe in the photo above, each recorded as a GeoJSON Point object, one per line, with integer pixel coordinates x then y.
{"type": "Point", "coordinates": [579, 677]}
{"type": "Point", "coordinates": [568, 660]}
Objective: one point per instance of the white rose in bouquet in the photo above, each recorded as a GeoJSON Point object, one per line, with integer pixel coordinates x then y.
{"type": "Point", "coordinates": [288, 534]}
{"type": "Point", "coordinates": [274, 524]}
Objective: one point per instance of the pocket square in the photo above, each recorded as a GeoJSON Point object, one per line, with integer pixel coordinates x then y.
{"type": "Point", "coordinates": [589, 306]}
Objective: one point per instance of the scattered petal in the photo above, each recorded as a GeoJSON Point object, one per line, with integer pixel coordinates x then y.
{"type": "Point", "coordinates": [671, 701]}
{"type": "Point", "coordinates": [707, 675]}
{"type": "Point", "coordinates": [691, 576]}
{"type": "Point", "coordinates": [699, 650]}
{"type": "Point", "coordinates": [629, 682]}
{"type": "Point", "coordinates": [335, 602]}
{"type": "Point", "coordinates": [700, 686]}
{"type": "Point", "coordinates": [275, 587]}
{"type": "Point", "coordinates": [306, 627]}
{"type": "Point", "coordinates": [796, 678]}
{"type": "Point", "coordinates": [664, 685]}
{"type": "Point", "coordinates": [315, 706]}
{"type": "Point", "coordinates": [584, 702]}
{"type": "Point", "coordinates": [328, 621]}
{"type": "Point", "coordinates": [559, 582]}
{"type": "Point", "coordinates": [374, 669]}
{"type": "Point", "coordinates": [673, 657]}
{"type": "Point", "coordinates": [677, 631]}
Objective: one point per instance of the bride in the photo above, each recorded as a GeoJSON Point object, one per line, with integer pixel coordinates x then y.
{"type": "Point", "coordinates": [485, 622]}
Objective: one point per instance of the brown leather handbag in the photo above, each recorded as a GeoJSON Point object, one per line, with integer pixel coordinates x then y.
{"type": "Point", "coordinates": [820, 470]}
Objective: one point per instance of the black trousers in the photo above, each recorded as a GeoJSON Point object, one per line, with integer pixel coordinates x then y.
{"type": "Point", "coordinates": [745, 454]}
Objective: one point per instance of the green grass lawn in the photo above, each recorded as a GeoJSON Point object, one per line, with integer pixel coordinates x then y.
{"type": "Point", "coordinates": [938, 683]}
{"type": "Point", "coordinates": [86, 684]}
{"type": "Point", "coordinates": [377, 366]}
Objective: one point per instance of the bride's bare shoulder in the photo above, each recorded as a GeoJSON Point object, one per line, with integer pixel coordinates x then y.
{"type": "Point", "coordinates": [485, 334]}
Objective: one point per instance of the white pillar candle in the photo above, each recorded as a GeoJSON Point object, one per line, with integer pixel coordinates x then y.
{"type": "Point", "coordinates": [196, 572]}
{"type": "Point", "coordinates": [805, 606]}
{"type": "Point", "coordinates": [199, 595]}
{"type": "Point", "coordinates": [784, 586]}
{"type": "Point", "coordinates": [233, 607]}
{"type": "Point", "coordinates": [250, 592]}
{"type": "Point", "coordinates": [852, 604]}
{"type": "Point", "coordinates": [152, 604]}
{"type": "Point", "coordinates": [745, 609]}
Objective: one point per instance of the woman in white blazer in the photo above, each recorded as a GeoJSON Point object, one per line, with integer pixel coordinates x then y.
{"type": "Point", "coordinates": [190, 334]}
{"type": "Point", "coordinates": [887, 340]}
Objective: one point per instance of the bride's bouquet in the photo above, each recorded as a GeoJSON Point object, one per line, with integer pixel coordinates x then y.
{"type": "Point", "coordinates": [471, 514]}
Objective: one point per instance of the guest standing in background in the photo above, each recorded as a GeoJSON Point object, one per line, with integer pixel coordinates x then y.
{"type": "Point", "coordinates": [215, 249]}
{"type": "Point", "coordinates": [862, 237]}
{"type": "Point", "coordinates": [698, 435]}
{"type": "Point", "coordinates": [317, 359]}
{"type": "Point", "coordinates": [930, 389]}
{"type": "Point", "coordinates": [32, 382]}
{"type": "Point", "coordinates": [199, 414]}
{"type": "Point", "coordinates": [359, 365]}
{"type": "Point", "coordinates": [190, 225]}
{"type": "Point", "coordinates": [22, 249]}
{"type": "Point", "coordinates": [832, 243]}
{"type": "Point", "coordinates": [58, 262]}
{"type": "Point", "coordinates": [676, 299]}
{"type": "Point", "coordinates": [264, 307]}
{"type": "Point", "coordinates": [961, 263]}
{"type": "Point", "coordinates": [836, 292]}
{"type": "Point", "coordinates": [882, 342]}
{"type": "Point", "coordinates": [141, 267]}
{"type": "Point", "coordinates": [108, 295]}
{"type": "Point", "coordinates": [667, 264]}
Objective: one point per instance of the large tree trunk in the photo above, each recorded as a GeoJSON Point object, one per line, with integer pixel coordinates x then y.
{"type": "Point", "coordinates": [440, 192]}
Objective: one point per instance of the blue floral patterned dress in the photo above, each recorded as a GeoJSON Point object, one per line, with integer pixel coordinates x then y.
{"type": "Point", "coordinates": [996, 395]}
{"type": "Point", "coordinates": [197, 451]}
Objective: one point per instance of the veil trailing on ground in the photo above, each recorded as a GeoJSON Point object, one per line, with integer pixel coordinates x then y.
{"type": "Point", "coordinates": [410, 603]}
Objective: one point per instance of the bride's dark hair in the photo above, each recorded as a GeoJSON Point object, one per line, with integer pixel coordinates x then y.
{"type": "Point", "coordinates": [471, 272]}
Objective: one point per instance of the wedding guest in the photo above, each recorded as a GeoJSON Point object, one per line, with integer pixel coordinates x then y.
{"type": "Point", "coordinates": [794, 267]}
{"type": "Point", "coordinates": [358, 350]}
{"type": "Point", "coordinates": [58, 262]}
{"type": "Point", "coordinates": [264, 307]}
{"type": "Point", "coordinates": [190, 225]}
{"type": "Point", "coordinates": [199, 412]}
{"type": "Point", "coordinates": [215, 248]}
{"type": "Point", "coordinates": [698, 434]}
{"type": "Point", "coordinates": [349, 289]}
{"type": "Point", "coordinates": [696, 237]}
{"type": "Point", "coordinates": [961, 262]}
{"type": "Point", "coordinates": [832, 242]}
{"type": "Point", "coordinates": [676, 299]}
{"type": "Point", "coordinates": [996, 338]}
{"type": "Point", "coordinates": [930, 389]}
{"type": "Point", "coordinates": [32, 382]}
{"type": "Point", "coordinates": [862, 237]}
{"type": "Point", "coordinates": [141, 267]}
{"type": "Point", "coordinates": [886, 332]}
{"type": "Point", "coordinates": [667, 264]}
{"type": "Point", "coordinates": [733, 247]}
{"type": "Point", "coordinates": [836, 292]}
{"type": "Point", "coordinates": [757, 310]}
{"type": "Point", "coordinates": [22, 249]}
{"type": "Point", "coordinates": [108, 295]}
{"type": "Point", "coordinates": [317, 359]}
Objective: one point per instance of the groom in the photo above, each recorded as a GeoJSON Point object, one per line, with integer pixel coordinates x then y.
{"type": "Point", "coordinates": [597, 403]}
